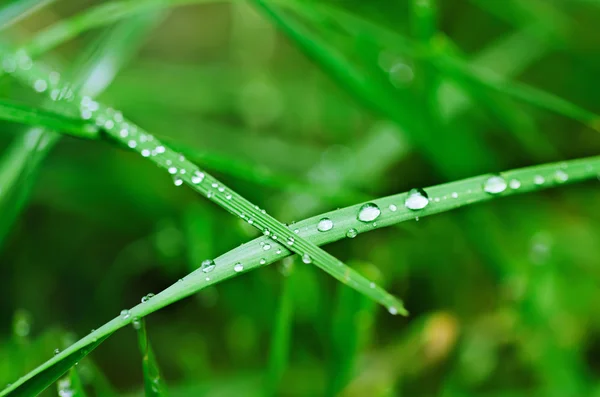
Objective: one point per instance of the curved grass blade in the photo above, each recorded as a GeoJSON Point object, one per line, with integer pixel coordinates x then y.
{"type": "Point", "coordinates": [252, 255]}
{"type": "Point", "coordinates": [12, 11]}
{"type": "Point", "coordinates": [19, 113]}
{"type": "Point", "coordinates": [154, 385]}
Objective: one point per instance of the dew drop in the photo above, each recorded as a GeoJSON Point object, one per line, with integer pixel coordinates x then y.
{"type": "Point", "coordinates": [368, 212]}
{"type": "Point", "coordinates": [197, 178]}
{"type": "Point", "coordinates": [125, 314]}
{"type": "Point", "coordinates": [207, 266]}
{"type": "Point", "coordinates": [561, 176]}
{"type": "Point", "coordinates": [416, 199]}
{"type": "Point", "coordinates": [146, 298]}
{"type": "Point", "coordinates": [494, 184]}
{"type": "Point", "coordinates": [136, 323]}
{"type": "Point", "coordinates": [393, 311]}
{"type": "Point", "coordinates": [40, 85]}
{"type": "Point", "coordinates": [262, 261]}
{"type": "Point", "coordinates": [56, 351]}
{"type": "Point", "coordinates": [172, 170]}
{"type": "Point", "coordinates": [454, 195]}
{"type": "Point", "coordinates": [160, 149]}
{"type": "Point", "coordinates": [306, 258]}
{"type": "Point", "coordinates": [351, 233]}
{"type": "Point", "coordinates": [290, 241]}
{"type": "Point", "coordinates": [514, 184]}
{"type": "Point", "coordinates": [324, 225]}
{"type": "Point", "coordinates": [132, 144]}
{"type": "Point", "coordinates": [539, 180]}
{"type": "Point", "coordinates": [393, 208]}
{"type": "Point", "coordinates": [146, 153]}
{"type": "Point", "coordinates": [238, 267]}
{"type": "Point", "coordinates": [266, 247]}
{"type": "Point", "coordinates": [177, 181]}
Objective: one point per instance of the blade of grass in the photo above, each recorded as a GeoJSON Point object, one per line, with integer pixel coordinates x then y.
{"type": "Point", "coordinates": [16, 9]}
{"type": "Point", "coordinates": [107, 54]}
{"type": "Point", "coordinates": [20, 113]}
{"type": "Point", "coordinates": [282, 330]}
{"type": "Point", "coordinates": [445, 197]}
{"type": "Point", "coordinates": [154, 384]}
{"type": "Point", "coordinates": [70, 385]}
{"type": "Point", "coordinates": [182, 170]}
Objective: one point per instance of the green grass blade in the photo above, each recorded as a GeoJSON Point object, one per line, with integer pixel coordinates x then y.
{"type": "Point", "coordinates": [444, 198]}
{"type": "Point", "coordinates": [13, 10]}
{"type": "Point", "coordinates": [154, 384]}
{"type": "Point", "coordinates": [20, 113]}
{"type": "Point", "coordinates": [282, 330]}
{"type": "Point", "coordinates": [70, 385]}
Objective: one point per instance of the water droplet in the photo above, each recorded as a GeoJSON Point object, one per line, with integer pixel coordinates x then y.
{"type": "Point", "coordinates": [238, 267]}
{"type": "Point", "coordinates": [109, 124]}
{"type": "Point", "coordinates": [368, 212]}
{"type": "Point", "coordinates": [416, 199]}
{"type": "Point", "coordinates": [197, 178]}
{"type": "Point", "coordinates": [160, 149]}
{"type": "Point", "coordinates": [393, 208]}
{"type": "Point", "coordinates": [132, 144]}
{"type": "Point", "coordinates": [207, 265]}
{"type": "Point", "coordinates": [290, 241]}
{"type": "Point", "coordinates": [267, 232]}
{"type": "Point", "coordinates": [561, 176]}
{"type": "Point", "coordinates": [278, 251]}
{"type": "Point", "coordinates": [228, 196]}
{"type": "Point", "coordinates": [177, 181]}
{"type": "Point", "coordinates": [125, 314]}
{"type": "Point", "coordinates": [393, 311]}
{"type": "Point", "coordinates": [136, 323]}
{"type": "Point", "coordinates": [262, 261]}
{"type": "Point", "coordinates": [146, 298]}
{"type": "Point", "coordinates": [172, 170]}
{"type": "Point", "coordinates": [372, 285]}
{"type": "Point", "coordinates": [351, 233]}
{"type": "Point", "coordinates": [146, 153]}
{"type": "Point", "coordinates": [56, 351]}
{"type": "Point", "coordinates": [494, 184]}
{"type": "Point", "coordinates": [306, 258]}
{"type": "Point", "coordinates": [539, 180]}
{"type": "Point", "coordinates": [267, 247]}
{"type": "Point", "coordinates": [514, 184]}
{"type": "Point", "coordinates": [454, 195]}
{"type": "Point", "coordinates": [324, 225]}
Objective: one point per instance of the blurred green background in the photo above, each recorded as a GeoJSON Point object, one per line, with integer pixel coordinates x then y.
{"type": "Point", "coordinates": [503, 296]}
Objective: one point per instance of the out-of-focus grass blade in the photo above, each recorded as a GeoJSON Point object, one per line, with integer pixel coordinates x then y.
{"type": "Point", "coordinates": [96, 69]}
{"type": "Point", "coordinates": [13, 10]}
{"type": "Point", "coordinates": [70, 384]}
{"type": "Point", "coordinates": [345, 224]}
{"type": "Point", "coordinates": [282, 329]}
{"type": "Point", "coordinates": [351, 324]}
{"type": "Point", "coordinates": [20, 113]}
{"type": "Point", "coordinates": [154, 384]}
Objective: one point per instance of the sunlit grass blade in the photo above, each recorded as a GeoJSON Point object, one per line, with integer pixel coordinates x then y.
{"type": "Point", "coordinates": [20, 113]}
{"type": "Point", "coordinates": [70, 385]}
{"type": "Point", "coordinates": [280, 340]}
{"type": "Point", "coordinates": [154, 384]}
{"type": "Point", "coordinates": [444, 198]}
{"type": "Point", "coordinates": [13, 10]}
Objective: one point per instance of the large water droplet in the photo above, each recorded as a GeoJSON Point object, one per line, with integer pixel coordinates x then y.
{"type": "Point", "coordinates": [351, 233]}
{"type": "Point", "coordinates": [495, 184]}
{"type": "Point", "coordinates": [207, 266]}
{"type": "Point", "coordinates": [368, 212]}
{"type": "Point", "coordinates": [324, 225]}
{"type": "Point", "coordinates": [416, 199]}
{"type": "Point", "coordinates": [238, 267]}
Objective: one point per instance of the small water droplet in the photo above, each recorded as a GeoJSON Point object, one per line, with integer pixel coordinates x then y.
{"type": "Point", "coordinates": [290, 241]}
{"type": "Point", "coordinates": [561, 176]}
{"type": "Point", "coordinates": [267, 232]}
{"type": "Point", "coordinates": [56, 351]}
{"type": "Point", "coordinates": [494, 184]}
{"type": "Point", "coordinates": [266, 247]}
{"type": "Point", "coordinates": [514, 184]}
{"type": "Point", "coordinates": [324, 225]}
{"type": "Point", "coordinates": [207, 265]}
{"type": "Point", "coordinates": [146, 153]}
{"type": "Point", "coordinates": [393, 311]}
{"type": "Point", "coordinates": [172, 170]}
{"type": "Point", "coordinates": [197, 178]}
{"type": "Point", "coordinates": [539, 180]}
{"type": "Point", "coordinates": [125, 314]}
{"type": "Point", "coordinates": [177, 181]}
{"type": "Point", "coordinates": [136, 323]}
{"type": "Point", "coordinates": [40, 85]}
{"type": "Point", "coordinates": [454, 195]}
{"type": "Point", "coordinates": [238, 267]}
{"type": "Point", "coordinates": [416, 199]}
{"type": "Point", "coordinates": [393, 208]}
{"type": "Point", "coordinates": [368, 212]}
{"type": "Point", "coordinates": [278, 251]}
{"type": "Point", "coordinates": [132, 143]}
{"type": "Point", "coordinates": [146, 298]}
{"type": "Point", "coordinates": [160, 149]}
{"type": "Point", "coordinates": [306, 258]}
{"type": "Point", "coordinates": [351, 233]}
{"type": "Point", "coordinates": [372, 285]}
{"type": "Point", "coordinates": [262, 261]}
